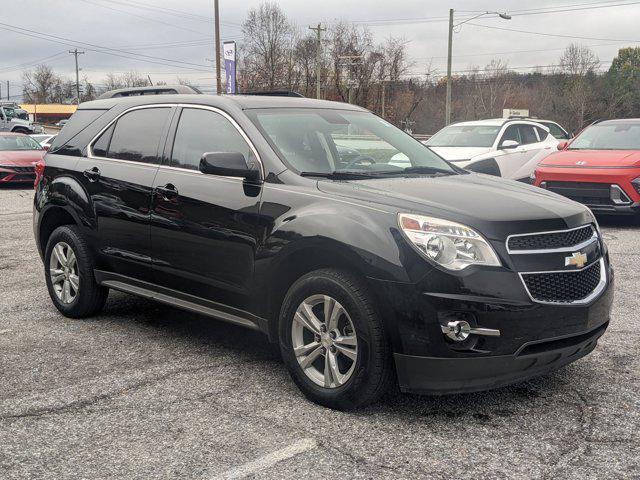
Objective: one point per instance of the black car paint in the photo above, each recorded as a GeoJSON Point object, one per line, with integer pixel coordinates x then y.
{"type": "Point", "coordinates": [224, 247]}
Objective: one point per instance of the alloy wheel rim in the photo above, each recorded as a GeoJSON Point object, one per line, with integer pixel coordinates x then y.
{"type": "Point", "coordinates": [324, 341]}
{"type": "Point", "coordinates": [63, 270]}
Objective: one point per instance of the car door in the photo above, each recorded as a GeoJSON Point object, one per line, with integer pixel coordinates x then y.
{"type": "Point", "coordinates": [204, 228]}
{"type": "Point", "coordinates": [508, 159]}
{"type": "Point", "coordinates": [118, 175]}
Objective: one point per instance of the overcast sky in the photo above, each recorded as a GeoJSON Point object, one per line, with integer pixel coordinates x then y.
{"type": "Point", "coordinates": [152, 33]}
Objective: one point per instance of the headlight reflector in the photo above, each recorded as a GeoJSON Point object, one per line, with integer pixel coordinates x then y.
{"type": "Point", "coordinates": [451, 245]}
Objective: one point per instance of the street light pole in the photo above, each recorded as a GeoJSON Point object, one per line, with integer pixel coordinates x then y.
{"type": "Point", "coordinates": [217, 37]}
{"type": "Point", "coordinates": [447, 113]}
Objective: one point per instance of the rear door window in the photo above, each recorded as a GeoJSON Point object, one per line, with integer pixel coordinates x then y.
{"type": "Point", "coordinates": [136, 135]}
{"type": "Point", "coordinates": [527, 134]}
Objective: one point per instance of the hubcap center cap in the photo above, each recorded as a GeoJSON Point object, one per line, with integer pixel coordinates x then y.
{"type": "Point", "coordinates": [326, 340]}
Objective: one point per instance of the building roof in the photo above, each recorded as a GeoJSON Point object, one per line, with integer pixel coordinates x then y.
{"type": "Point", "coordinates": [49, 108]}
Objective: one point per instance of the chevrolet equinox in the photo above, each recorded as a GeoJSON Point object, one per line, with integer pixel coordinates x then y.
{"type": "Point", "coordinates": [288, 216]}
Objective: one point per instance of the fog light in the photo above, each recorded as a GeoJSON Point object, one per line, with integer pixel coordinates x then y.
{"type": "Point", "coordinates": [459, 331]}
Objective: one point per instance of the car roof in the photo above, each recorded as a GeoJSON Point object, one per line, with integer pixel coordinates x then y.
{"type": "Point", "coordinates": [498, 122]}
{"type": "Point", "coordinates": [619, 120]}
{"type": "Point", "coordinates": [244, 102]}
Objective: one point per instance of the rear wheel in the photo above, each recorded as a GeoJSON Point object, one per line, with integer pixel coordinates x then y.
{"type": "Point", "coordinates": [69, 274]}
{"type": "Point", "coordinates": [333, 342]}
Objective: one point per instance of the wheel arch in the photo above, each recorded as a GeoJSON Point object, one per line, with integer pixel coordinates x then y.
{"type": "Point", "coordinates": [298, 260]}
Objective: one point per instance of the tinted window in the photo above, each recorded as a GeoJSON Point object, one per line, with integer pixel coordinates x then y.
{"type": "Point", "coordinates": [78, 122]}
{"type": "Point", "coordinates": [527, 134]}
{"type": "Point", "coordinates": [511, 133]}
{"type": "Point", "coordinates": [101, 145]}
{"type": "Point", "coordinates": [542, 133]}
{"type": "Point", "coordinates": [201, 131]}
{"type": "Point", "coordinates": [137, 135]}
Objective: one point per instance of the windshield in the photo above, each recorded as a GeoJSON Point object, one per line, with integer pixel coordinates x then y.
{"type": "Point", "coordinates": [465, 136]}
{"type": "Point", "coordinates": [612, 136]}
{"type": "Point", "coordinates": [325, 141]}
{"type": "Point", "coordinates": [18, 142]}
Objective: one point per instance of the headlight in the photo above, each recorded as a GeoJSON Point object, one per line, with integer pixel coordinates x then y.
{"type": "Point", "coordinates": [449, 244]}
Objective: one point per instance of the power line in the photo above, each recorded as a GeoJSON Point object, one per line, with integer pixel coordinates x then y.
{"type": "Point", "coordinates": [559, 35]}
{"type": "Point", "coordinates": [514, 13]}
{"type": "Point", "coordinates": [101, 49]}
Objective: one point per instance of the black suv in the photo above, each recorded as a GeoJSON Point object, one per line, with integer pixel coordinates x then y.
{"type": "Point", "coordinates": [390, 262]}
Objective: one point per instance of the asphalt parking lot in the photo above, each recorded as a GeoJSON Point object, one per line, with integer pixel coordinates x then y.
{"type": "Point", "coordinates": [147, 391]}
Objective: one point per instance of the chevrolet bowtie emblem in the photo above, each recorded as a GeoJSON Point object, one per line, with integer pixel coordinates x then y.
{"type": "Point", "coordinates": [577, 259]}
{"type": "Point", "coordinates": [581, 162]}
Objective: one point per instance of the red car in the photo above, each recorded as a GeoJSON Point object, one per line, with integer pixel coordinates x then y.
{"type": "Point", "coordinates": [599, 168]}
{"type": "Point", "coordinates": [19, 154]}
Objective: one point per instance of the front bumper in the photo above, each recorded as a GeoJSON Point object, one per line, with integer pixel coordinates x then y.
{"type": "Point", "coordinates": [605, 191]}
{"type": "Point", "coordinates": [434, 375]}
{"type": "Point", "coordinates": [13, 176]}
{"type": "Point", "coordinates": [535, 338]}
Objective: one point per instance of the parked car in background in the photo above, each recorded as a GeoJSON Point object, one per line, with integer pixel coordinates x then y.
{"type": "Point", "coordinates": [243, 208]}
{"type": "Point", "coordinates": [509, 148]}
{"type": "Point", "coordinates": [45, 140]}
{"type": "Point", "coordinates": [11, 122]}
{"type": "Point", "coordinates": [599, 168]}
{"type": "Point", "coordinates": [18, 156]}
{"type": "Point", "coordinates": [61, 123]}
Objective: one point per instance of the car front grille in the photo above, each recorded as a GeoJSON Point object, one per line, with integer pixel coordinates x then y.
{"type": "Point", "coordinates": [551, 240]}
{"type": "Point", "coordinates": [590, 193]}
{"type": "Point", "coordinates": [557, 280]}
{"type": "Point", "coordinates": [563, 287]}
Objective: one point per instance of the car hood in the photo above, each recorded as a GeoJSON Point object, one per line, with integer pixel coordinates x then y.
{"type": "Point", "coordinates": [460, 153]}
{"type": "Point", "coordinates": [21, 158]}
{"type": "Point", "coordinates": [593, 158]}
{"type": "Point", "coordinates": [494, 206]}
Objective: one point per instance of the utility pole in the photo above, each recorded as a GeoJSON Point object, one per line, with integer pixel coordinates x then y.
{"type": "Point", "coordinates": [7, 89]}
{"type": "Point", "coordinates": [447, 115]}
{"type": "Point", "coordinates": [350, 61]}
{"type": "Point", "coordinates": [318, 31]}
{"type": "Point", "coordinates": [75, 53]}
{"type": "Point", "coordinates": [217, 21]}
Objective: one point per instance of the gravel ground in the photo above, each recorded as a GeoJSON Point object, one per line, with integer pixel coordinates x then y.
{"type": "Point", "coordinates": [147, 391]}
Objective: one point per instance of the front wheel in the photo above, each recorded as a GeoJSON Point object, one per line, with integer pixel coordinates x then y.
{"type": "Point", "coordinates": [333, 342]}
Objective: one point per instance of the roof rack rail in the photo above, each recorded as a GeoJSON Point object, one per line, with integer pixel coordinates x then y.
{"type": "Point", "coordinates": [150, 90]}
{"type": "Point", "coordinates": [274, 93]}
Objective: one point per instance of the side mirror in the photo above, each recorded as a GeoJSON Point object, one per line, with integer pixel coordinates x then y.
{"type": "Point", "coordinates": [562, 145]}
{"type": "Point", "coordinates": [509, 144]}
{"type": "Point", "coordinates": [227, 164]}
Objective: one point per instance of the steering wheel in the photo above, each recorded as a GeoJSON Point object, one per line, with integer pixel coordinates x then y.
{"type": "Point", "coordinates": [359, 161]}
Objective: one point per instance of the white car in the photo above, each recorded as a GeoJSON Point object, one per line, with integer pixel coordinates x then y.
{"type": "Point", "coordinates": [45, 140]}
{"type": "Point", "coordinates": [509, 148]}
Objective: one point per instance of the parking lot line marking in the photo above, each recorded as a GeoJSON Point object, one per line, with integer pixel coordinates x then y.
{"type": "Point", "coordinates": [269, 460]}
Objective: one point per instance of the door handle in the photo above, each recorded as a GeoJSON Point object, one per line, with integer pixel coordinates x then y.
{"type": "Point", "coordinates": [168, 191]}
{"type": "Point", "coordinates": [92, 174]}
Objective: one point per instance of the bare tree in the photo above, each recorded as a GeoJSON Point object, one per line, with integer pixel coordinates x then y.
{"type": "Point", "coordinates": [268, 39]}
{"type": "Point", "coordinates": [579, 62]}
{"type": "Point", "coordinates": [125, 80]}
{"type": "Point", "coordinates": [41, 85]}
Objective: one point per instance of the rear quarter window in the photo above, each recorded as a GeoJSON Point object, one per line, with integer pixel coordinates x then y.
{"type": "Point", "coordinates": [78, 122]}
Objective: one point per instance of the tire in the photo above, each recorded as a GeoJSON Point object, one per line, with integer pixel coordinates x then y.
{"type": "Point", "coordinates": [370, 375]}
{"type": "Point", "coordinates": [84, 299]}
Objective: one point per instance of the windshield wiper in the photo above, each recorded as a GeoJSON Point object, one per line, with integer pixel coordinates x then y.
{"type": "Point", "coordinates": [338, 175]}
{"type": "Point", "coordinates": [421, 169]}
